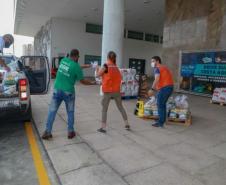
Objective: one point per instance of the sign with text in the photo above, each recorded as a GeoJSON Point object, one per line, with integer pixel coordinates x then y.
{"type": "Point", "coordinates": [202, 72]}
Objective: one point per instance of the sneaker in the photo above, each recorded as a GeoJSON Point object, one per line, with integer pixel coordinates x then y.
{"type": "Point", "coordinates": [46, 135]}
{"type": "Point", "coordinates": [71, 135]}
{"type": "Point", "coordinates": [155, 125]}
{"type": "Point", "coordinates": [127, 127]}
{"type": "Point", "coordinates": [102, 130]}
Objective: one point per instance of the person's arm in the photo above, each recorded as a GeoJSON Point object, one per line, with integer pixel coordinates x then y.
{"type": "Point", "coordinates": [100, 71]}
{"type": "Point", "coordinates": [84, 66]}
{"type": "Point", "coordinates": [3, 64]}
{"type": "Point", "coordinates": [156, 81]}
{"type": "Point", "coordinates": [80, 77]}
{"type": "Point", "coordinates": [87, 82]}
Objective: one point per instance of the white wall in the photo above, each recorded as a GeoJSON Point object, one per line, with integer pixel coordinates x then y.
{"type": "Point", "coordinates": [141, 50]}
{"type": "Point", "coordinates": [69, 34]}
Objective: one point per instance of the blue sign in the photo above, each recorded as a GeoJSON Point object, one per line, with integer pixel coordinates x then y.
{"type": "Point", "coordinates": [203, 71]}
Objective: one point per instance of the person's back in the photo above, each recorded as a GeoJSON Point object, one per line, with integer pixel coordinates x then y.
{"type": "Point", "coordinates": [111, 79]}
{"type": "Point", "coordinates": [68, 73]}
{"type": "Point", "coordinates": [111, 84]}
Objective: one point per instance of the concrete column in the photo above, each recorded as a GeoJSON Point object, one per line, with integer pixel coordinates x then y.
{"type": "Point", "coordinates": [113, 29]}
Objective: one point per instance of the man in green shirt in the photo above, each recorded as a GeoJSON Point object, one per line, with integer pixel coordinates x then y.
{"type": "Point", "coordinates": [68, 74]}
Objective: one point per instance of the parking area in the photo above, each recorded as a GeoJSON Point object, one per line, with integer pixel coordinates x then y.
{"type": "Point", "coordinates": [194, 155]}
{"type": "Point", "coordinates": [18, 165]}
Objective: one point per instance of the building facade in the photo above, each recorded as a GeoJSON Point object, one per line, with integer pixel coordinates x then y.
{"type": "Point", "coordinates": [134, 29]}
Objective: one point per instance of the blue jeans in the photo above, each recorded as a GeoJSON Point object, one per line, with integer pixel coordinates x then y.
{"type": "Point", "coordinates": [69, 100]}
{"type": "Point", "coordinates": [162, 98]}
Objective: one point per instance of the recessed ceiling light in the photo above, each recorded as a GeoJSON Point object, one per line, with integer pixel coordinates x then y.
{"type": "Point", "coordinates": [146, 1]}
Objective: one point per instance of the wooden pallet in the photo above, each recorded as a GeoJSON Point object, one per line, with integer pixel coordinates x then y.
{"type": "Point", "coordinates": [150, 117]}
{"type": "Point", "coordinates": [173, 121]}
{"type": "Point", "coordinates": [176, 121]}
{"type": "Point", "coordinates": [219, 103]}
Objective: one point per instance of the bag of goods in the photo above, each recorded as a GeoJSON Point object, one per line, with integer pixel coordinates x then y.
{"type": "Point", "coordinates": [171, 104]}
{"type": "Point", "coordinates": [10, 90]}
{"type": "Point", "coordinates": [129, 85]}
{"type": "Point", "coordinates": [178, 108]}
{"type": "Point", "coordinates": [1, 88]}
{"type": "Point", "coordinates": [155, 111]}
{"type": "Point", "coordinates": [11, 78]}
{"type": "Point", "coordinates": [181, 114]}
{"type": "Point", "coordinates": [181, 102]}
{"type": "Point", "coordinates": [219, 95]}
{"type": "Point", "coordinates": [94, 64]}
{"type": "Point", "coordinates": [124, 74]}
{"type": "Point", "coordinates": [97, 79]}
{"type": "Point", "coordinates": [13, 66]}
{"type": "Point", "coordinates": [2, 75]}
{"type": "Point", "coordinates": [222, 96]}
{"type": "Point", "coordinates": [151, 102]}
{"type": "Point", "coordinates": [129, 88]}
{"type": "Point", "coordinates": [131, 75]}
{"type": "Point", "coordinates": [216, 95]}
{"type": "Point", "coordinates": [150, 107]}
{"type": "Point", "coordinates": [151, 111]}
{"type": "Point", "coordinates": [123, 88]}
{"type": "Point", "coordinates": [147, 111]}
{"type": "Point", "coordinates": [135, 88]}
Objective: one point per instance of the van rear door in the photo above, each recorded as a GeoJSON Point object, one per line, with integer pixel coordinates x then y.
{"type": "Point", "coordinates": [37, 71]}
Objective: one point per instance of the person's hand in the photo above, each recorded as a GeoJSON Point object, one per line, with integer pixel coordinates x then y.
{"type": "Point", "coordinates": [151, 93]}
{"type": "Point", "coordinates": [94, 83]}
{"type": "Point", "coordinates": [86, 66]}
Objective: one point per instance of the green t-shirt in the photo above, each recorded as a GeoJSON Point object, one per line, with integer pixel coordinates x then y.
{"type": "Point", "coordinates": [68, 73]}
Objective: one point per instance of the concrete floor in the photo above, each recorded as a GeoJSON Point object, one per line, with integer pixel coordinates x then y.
{"type": "Point", "coordinates": [16, 162]}
{"type": "Point", "coordinates": [175, 155]}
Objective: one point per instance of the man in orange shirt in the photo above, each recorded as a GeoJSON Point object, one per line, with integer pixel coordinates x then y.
{"type": "Point", "coordinates": [163, 83]}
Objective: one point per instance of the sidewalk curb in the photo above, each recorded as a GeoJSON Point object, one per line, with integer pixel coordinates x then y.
{"type": "Point", "coordinates": [38, 135]}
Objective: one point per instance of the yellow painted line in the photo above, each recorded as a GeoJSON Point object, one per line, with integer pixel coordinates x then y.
{"type": "Point", "coordinates": [37, 158]}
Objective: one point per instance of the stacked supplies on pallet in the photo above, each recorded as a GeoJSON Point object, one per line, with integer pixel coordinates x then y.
{"type": "Point", "coordinates": [178, 107]}
{"type": "Point", "coordinates": [129, 85]}
{"type": "Point", "coordinates": [150, 108]}
{"type": "Point", "coordinates": [219, 95]}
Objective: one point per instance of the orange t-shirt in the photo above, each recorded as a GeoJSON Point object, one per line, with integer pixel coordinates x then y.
{"type": "Point", "coordinates": [166, 77]}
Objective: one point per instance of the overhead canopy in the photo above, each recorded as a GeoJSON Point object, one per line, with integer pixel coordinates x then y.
{"type": "Point", "coordinates": [141, 15]}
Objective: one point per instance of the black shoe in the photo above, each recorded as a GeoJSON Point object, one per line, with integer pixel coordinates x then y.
{"type": "Point", "coordinates": [102, 130]}
{"type": "Point", "coordinates": [155, 125]}
{"type": "Point", "coordinates": [127, 127]}
{"type": "Point", "coordinates": [71, 135]}
{"type": "Point", "coordinates": [46, 135]}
